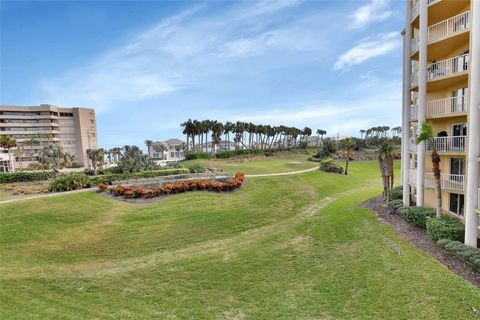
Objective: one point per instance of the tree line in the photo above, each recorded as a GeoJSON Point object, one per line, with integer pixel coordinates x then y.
{"type": "Point", "coordinates": [246, 135]}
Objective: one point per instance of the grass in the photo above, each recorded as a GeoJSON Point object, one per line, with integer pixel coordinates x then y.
{"type": "Point", "coordinates": [259, 164]}
{"type": "Point", "coordinates": [281, 247]}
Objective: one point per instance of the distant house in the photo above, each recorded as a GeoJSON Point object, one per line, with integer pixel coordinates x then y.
{"type": "Point", "coordinates": [209, 148]}
{"type": "Point", "coordinates": [168, 150]}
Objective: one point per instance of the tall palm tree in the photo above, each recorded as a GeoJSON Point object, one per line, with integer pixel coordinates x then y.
{"type": "Point", "coordinates": [348, 144]}
{"type": "Point", "coordinates": [7, 142]}
{"type": "Point", "coordinates": [362, 132]}
{"type": "Point", "coordinates": [385, 161]}
{"type": "Point", "coordinates": [96, 156]}
{"type": "Point", "coordinates": [148, 143]}
{"type": "Point", "coordinates": [426, 135]}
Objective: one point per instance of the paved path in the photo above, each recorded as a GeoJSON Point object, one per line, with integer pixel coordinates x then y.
{"type": "Point", "coordinates": [37, 196]}
{"type": "Point", "coordinates": [279, 174]}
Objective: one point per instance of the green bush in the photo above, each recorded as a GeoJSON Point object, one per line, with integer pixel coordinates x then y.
{"type": "Point", "coordinates": [396, 205]}
{"type": "Point", "coordinates": [12, 177]}
{"type": "Point", "coordinates": [197, 155]}
{"type": "Point", "coordinates": [328, 165]}
{"type": "Point", "coordinates": [396, 193]}
{"type": "Point", "coordinates": [196, 168]}
{"type": "Point", "coordinates": [464, 253]}
{"type": "Point", "coordinates": [418, 215]}
{"type": "Point", "coordinates": [69, 181]}
{"type": "Point", "coordinates": [446, 227]}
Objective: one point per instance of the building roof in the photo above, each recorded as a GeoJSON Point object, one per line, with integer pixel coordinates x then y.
{"type": "Point", "coordinates": [173, 141]}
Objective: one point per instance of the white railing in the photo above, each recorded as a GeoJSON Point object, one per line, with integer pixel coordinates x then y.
{"type": "Point", "coordinates": [414, 43]}
{"type": "Point", "coordinates": [432, 1]}
{"type": "Point", "coordinates": [412, 145]}
{"type": "Point", "coordinates": [455, 182]}
{"type": "Point", "coordinates": [414, 80]}
{"type": "Point", "coordinates": [447, 106]}
{"type": "Point", "coordinates": [412, 176]}
{"type": "Point", "coordinates": [449, 27]}
{"type": "Point", "coordinates": [448, 67]}
{"type": "Point", "coordinates": [414, 112]}
{"type": "Point", "coordinates": [415, 10]}
{"type": "Point", "coordinates": [449, 144]}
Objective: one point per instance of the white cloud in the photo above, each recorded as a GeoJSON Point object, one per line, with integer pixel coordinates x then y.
{"type": "Point", "coordinates": [367, 49]}
{"type": "Point", "coordinates": [375, 11]}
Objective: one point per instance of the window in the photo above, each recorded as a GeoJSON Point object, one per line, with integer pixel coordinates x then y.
{"type": "Point", "coordinates": [457, 166]}
{"type": "Point", "coordinates": [66, 114]}
{"type": "Point", "coordinates": [172, 154]}
{"type": "Point", "coordinates": [457, 202]}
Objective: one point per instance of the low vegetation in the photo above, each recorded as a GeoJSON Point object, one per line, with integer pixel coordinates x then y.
{"type": "Point", "coordinates": [446, 227]}
{"type": "Point", "coordinates": [465, 253]}
{"type": "Point", "coordinates": [328, 165]}
{"type": "Point", "coordinates": [14, 177]}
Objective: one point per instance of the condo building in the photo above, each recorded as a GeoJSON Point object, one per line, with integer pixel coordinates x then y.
{"type": "Point", "coordinates": [34, 127]}
{"type": "Point", "coordinates": [441, 85]}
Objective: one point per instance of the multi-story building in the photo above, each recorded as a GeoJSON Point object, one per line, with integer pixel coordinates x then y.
{"type": "Point", "coordinates": [169, 150]}
{"type": "Point", "coordinates": [33, 127]}
{"type": "Point", "coordinates": [441, 85]}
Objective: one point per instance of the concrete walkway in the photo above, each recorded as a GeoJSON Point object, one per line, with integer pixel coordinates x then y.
{"type": "Point", "coordinates": [55, 194]}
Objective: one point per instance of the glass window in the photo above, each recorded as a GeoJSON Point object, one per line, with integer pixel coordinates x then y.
{"type": "Point", "coordinates": [457, 204]}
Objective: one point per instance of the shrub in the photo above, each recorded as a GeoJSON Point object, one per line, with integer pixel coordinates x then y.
{"type": "Point", "coordinates": [396, 204]}
{"type": "Point", "coordinates": [396, 193]}
{"type": "Point", "coordinates": [446, 227]}
{"type": "Point", "coordinates": [418, 215]}
{"type": "Point", "coordinates": [197, 155]}
{"type": "Point", "coordinates": [69, 181]}
{"type": "Point", "coordinates": [12, 177]}
{"type": "Point", "coordinates": [464, 253]}
{"type": "Point", "coordinates": [177, 187]}
{"type": "Point", "coordinates": [328, 165]}
{"type": "Point", "coordinates": [109, 178]}
{"type": "Point", "coordinates": [196, 168]}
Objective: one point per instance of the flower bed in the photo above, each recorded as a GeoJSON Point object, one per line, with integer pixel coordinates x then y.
{"type": "Point", "coordinates": [175, 187]}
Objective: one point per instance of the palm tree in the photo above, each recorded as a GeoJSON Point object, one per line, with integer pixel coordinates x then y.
{"type": "Point", "coordinates": [348, 144]}
{"type": "Point", "coordinates": [385, 161]}
{"type": "Point", "coordinates": [148, 143]}
{"type": "Point", "coordinates": [7, 142]}
{"type": "Point", "coordinates": [362, 132]}
{"type": "Point", "coordinates": [321, 132]}
{"type": "Point", "coordinates": [426, 135]}
{"type": "Point", "coordinates": [96, 156]}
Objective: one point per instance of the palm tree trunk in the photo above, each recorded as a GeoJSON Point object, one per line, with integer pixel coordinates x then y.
{"type": "Point", "coordinates": [438, 183]}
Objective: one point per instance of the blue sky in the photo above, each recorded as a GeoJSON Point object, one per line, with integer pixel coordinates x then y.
{"type": "Point", "coordinates": [148, 66]}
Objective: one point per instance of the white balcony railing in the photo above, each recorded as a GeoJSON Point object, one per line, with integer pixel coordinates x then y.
{"type": "Point", "coordinates": [431, 2]}
{"type": "Point", "coordinates": [412, 176]}
{"type": "Point", "coordinates": [414, 80]}
{"type": "Point", "coordinates": [449, 144]}
{"type": "Point", "coordinates": [449, 27]}
{"type": "Point", "coordinates": [448, 67]}
{"type": "Point", "coordinates": [414, 44]}
{"type": "Point", "coordinates": [412, 145]}
{"type": "Point", "coordinates": [414, 112]}
{"type": "Point", "coordinates": [447, 106]}
{"type": "Point", "coordinates": [415, 10]}
{"type": "Point", "coordinates": [454, 182]}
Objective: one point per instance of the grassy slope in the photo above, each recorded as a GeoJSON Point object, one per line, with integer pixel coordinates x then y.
{"type": "Point", "coordinates": [260, 164]}
{"type": "Point", "coordinates": [283, 247]}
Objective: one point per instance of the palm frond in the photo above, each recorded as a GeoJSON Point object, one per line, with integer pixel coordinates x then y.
{"type": "Point", "coordinates": [426, 133]}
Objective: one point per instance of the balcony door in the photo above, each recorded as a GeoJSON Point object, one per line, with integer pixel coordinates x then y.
{"type": "Point", "coordinates": [457, 166]}
{"type": "Point", "coordinates": [459, 129]}
{"type": "Point", "coordinates": [459, 101]}
{"type": "Point", "coordinates": [457, 202]}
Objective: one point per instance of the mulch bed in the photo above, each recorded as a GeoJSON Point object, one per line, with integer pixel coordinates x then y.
{"type": "Point", "coordinates": [419, 238]}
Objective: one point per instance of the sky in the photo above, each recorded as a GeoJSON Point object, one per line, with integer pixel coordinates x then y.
{"type": "Point", "coordinates": [147, 66]}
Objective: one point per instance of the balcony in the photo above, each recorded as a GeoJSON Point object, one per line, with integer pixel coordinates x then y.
{"type": "Point", "coordinates": [455, 144]}
{"type": "Point", "coordinates": [412, 145]}
{"type": "Point", "coordinates": [452, 106]}
{"type": "Point", "coordinates": [432, 1]}
{"type": "Point", "coordinates": [414, 80]}
{"type": "Point", "coordinates": [412, 176]}
{"type": "Point", "coordinates": [414, 44]}
{"type": "Point", "coordinates": [414, 113]}
{"type": "Point", "coordinates": [449, 27]}
{"type": "Point", "coordinates": [452, 182]}
{"type": "Point", "coordinates": [448, 67]}
{"type": "Point", "coordinates": [415, 10]}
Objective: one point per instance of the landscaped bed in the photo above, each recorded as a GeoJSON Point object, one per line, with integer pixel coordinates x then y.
{"type": "Point", "coordinates": [149, 189]}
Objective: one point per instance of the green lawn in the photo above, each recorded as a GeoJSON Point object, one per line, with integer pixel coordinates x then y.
{"type": "Point", "coordinates": [259, 164]}
{"type": "Point", "coordinates": [283, 247]}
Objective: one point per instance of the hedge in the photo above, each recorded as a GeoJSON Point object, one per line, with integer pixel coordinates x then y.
{"type": "Point", "coordinates": [396, 193]}
{"type": "Point", "coordinates": [328, 165]}
{"type": "Point", "coordinates": [12, 177]}
{"type": "Point", "coordinates": [464, 253]}
{"type": "Point", "coordinates": [417, 215]}
{"type": "Point", "coordinates": [396, 205]}
{"type": "Point", "coordinates": [446, 227]}
{"type": "Point", "coordinates": [233, 153]}
{"type": "Point", "coordinates": [73, 181]}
